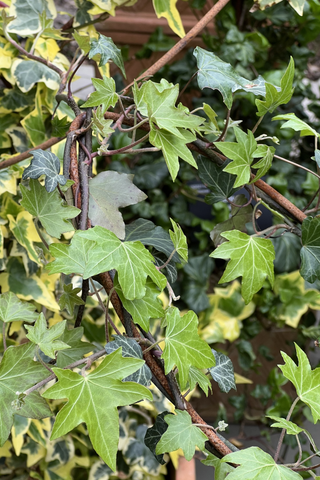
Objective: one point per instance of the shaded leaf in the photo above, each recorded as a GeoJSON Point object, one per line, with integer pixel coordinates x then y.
{"type": "Point", "coordinates": [69, 299]}
{"type": "Point", "coordinates": [46, 338]}
{"type": "Point", "coordinates": [181, 433]}
{"type": "Point", "coordinates": [310, 251]}
{"type": "Point", "coordinates": [131, 348]}
{"type": "Point", "coordinates": [60, 126]}
{"type": "Point", "coordinates": [85, 402]}
{"type": "Point", "coordinates": [154, 434]}
{"type": "Point", "coordinates": [108, 51]}
{"type": "Point", "coordinates": [110, 191]}
{"type": "Point", "coordinates": [223, 372]}
{"type": "Point", "coordinates": [77, 349]}
{"type": "Point", "coordinates": [216, 179]}
{"type": "Point", "coordinates": [48, 164]}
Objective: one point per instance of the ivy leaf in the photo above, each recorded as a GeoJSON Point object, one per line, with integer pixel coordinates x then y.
{"type": "Point", "coordinates": [110, 191]}
{"type": "Point", "coordinates": [291, 428]}
{"type": "Point", "coordinates": [183, 346]}
{"type": "Point", "coordinates": [237, 221]}
{"type": "Point", "coordinates": [108, 51]}
{"type": "Point", "coordinates": [223, 372]}
{"type": "Point", "coordinates": [99, 250]}
{"type": "Point", "coordinates": [46, 338]}
{"type": "Point", "coordinates": [25, 232]}
{"type": "Point", "coordinates": [77, 349]}
{"type": "Point", "coordinates": [154, 434]}
{"type": "Point", "coordinates": [94, 400]}
{"type": "Point", "coordinates": [181, 434]}
{"type": "Point", "coordinates": [28, 72]}
{"type": "Point", "coordinates": [49, 208]}
{"type": "Point", "coordinates": [274, 98]}
{"type": "Point", "coordinates": [105, 94]}
{"type": "Point", "coordinates": [100, 125]}
{"type": "Point", "coordinates": [18, 372]}
{"type": "Point", "coordinates": [256, 464]}
{"type": "Point", "coordinates": [131, 349]}
{"type": "Point", "coordinates": [28, 21]}
{"type": "Point", "coordinates": [218, 75]}
{"type": "Point", "coordinates": [265, 163]}
{"type": "Point", "coordinates": [173, 147]}
{"type": "Point", "coordinates": [14, 310]}
{"type": "Point", "coordinates": [69, 299]}
{"type": "Point", "coordinates": [83, 41]}
{"type": "Point", "coordinates": [216, 179]}
{"type": "Point", "coordinates": [305, 380]}
{"type": "Point", "coordinates": [160, 107]}
{"type": "Point", "coordinates": [221, 469]}
{"type": "Point", "coordinates": [250, 257]}
{"type": "Point", "coordinates": [137, 454]}
{"type": "Point", "coordinates": [196, 376]}
{"type": "Point", "coordinates": [45, 163]}
{"type": "Point", "coordinates": [179, 240]}
{"type": "Point", "coordinates": [241, 152]}
{"type": "Point", "coordinates": [60, 126]}
{"type": "Point", "coordinates": [142, 309]}
{"type": "Point", "coordinates": [147, 233]}
{"type": "Point", "coordinates": [168, 9]}
{"type": "Point", "coordinates": [310, 251]}
{"type": "Point", "coordinates": [296, 124]}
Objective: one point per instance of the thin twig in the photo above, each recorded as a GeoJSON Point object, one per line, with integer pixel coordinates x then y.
{"type": "Point", "coordinates": [104, 308]}
{"type": "Point", "coordinates": [84, 294]}
{"type": "Point", "coordinates": [186, 86]}
{"type": "Point", "coordinates": [41, 361]}
{"type": "Point", "coordinates": [167, 261]}
{"type": "Point", "coordinates": [297, 165]}
{"type": "Point", "coordinates": [80, 61]}
{"type": "Point", "coordinates": [225, 128]}
{"type": "Point", "coordinates": [283, 432]}
{"type": "Point", "coordinates": [257, 124]}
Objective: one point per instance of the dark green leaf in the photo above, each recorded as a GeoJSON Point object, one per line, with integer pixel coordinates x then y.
{"type": "Point", "coordinates": [69, 299]}
{"type": "Point", "coordinates": [154, 434]}
{"type": "Point", "coordinates": [108, 51]}
{"type": "Point", "coordinates": [45, 163]}
{"type": "Point", "coordinates": [216, 179]}
{"type": "Point", "coordinates": [60, 126]}
{"type": "Point", "coordinates": [310, 251]}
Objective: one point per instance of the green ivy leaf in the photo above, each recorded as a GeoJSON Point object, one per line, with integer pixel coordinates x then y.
{"type": "Point", "coordinates": [159, 106]}
{"type": "Point", "coordinates": [221, 469]}
{"type": "Point", "coordinates": [149, 234]}
{"type": "Point", "coordinates": [83, 41]}
{"type": "Point", "coordinates": [256, 464]}
{"type": "Point", "coordinates": [142, 309]}
{"type": "Point", "coordinates": [14, 100]}
{"type": "Point", "coordinates": [223, 372]}
{"type": "Point", "coordinates": [181, 434]}
{"type": "Point", "coordinates": [154, 434]}
{"type": "Point", "coordinates": [110, 191]}
{"type": "Point", "coordinates": [46, 338]}
{"type": "Point", "coordinates": [105, 95]}
{"type": "Point", "coordinates": [216, 179]}
{"type": "Point", "coordinates": [263, 165]}
{"type": "Point", "coordinates": [18, 372]}
{"type": "Point", "coordinates": [218, 75]}
{"type": "Point", "coordinates": [196, 376]}
{"type": "Point", "coordinates": [77, 349]}
{"type": "Point", "coordinates": [100, 125]}
{"type": "Point", "coordinates": [179, 240]}
{"type": "Point", "coordinates": [14, 310]}
{"type": "Point", "coordinates": [94, 399]}
{"type": "Point", "coordinates": [48, 164]}
{"type": "Point", "coordinates": [183, 346]}
{"type": "Point", "coordinates": [250, 257]}
{"type": "Point", "coordinates": [310, 251]}
{"type": "Point", "coordinates": [274, 98]}
{"type": "Point", "coordinates": [69, 299]}
{"type": "Point", "coordinates": [60, 126]}
{"type": "Point", "coordinates": [173, 147]}
{"type": "Point", "coordinates": [131, 349]}
{"type": "Point", "coordinates": [305, 380]}
{"type": "Point", "coordinates": [291, 428]}
{"type": "Point", "coordinates": [108, 51]}
{"type": "Point", "coordinates": [241, 152]}
{"type": "Point", "coordinates": [99, 250]}
{"type": "Point", "coordinates": [28, 72]}
{"type": "Point", "coordinates": [296, 124]}
{"type": "Point", "coordinates": [49, 208]}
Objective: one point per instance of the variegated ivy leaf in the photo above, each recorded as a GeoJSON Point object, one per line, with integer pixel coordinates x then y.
{"type": "Point", "coordinates": [14, 310]}
{"type": "Point", "coordinates": [110, 191]}
{"type": "Point", "coordinates": [48, 164]}
{"type": "Point", "coordinates": [131, 348]}
{"type": "Point", "coordinates": [98, 250]}
{"type": "Point", "coordinates": [105, 47]}
{"type": "Point", "coordinates": [18, 372]}
{"type": "Point", "coordinates": [94, 399]}
{"type": "Point", "coordinates": [183, 346]}
{"type": "Point", "coordinates": [28, 72]}
{"type": "Point", "coordinates": [49, 208]}
{"type": "Point", "coordinates": [25, 232]}
{"type": "Point", "coordinates": [305, 380]}
{"type": "Point", "coordinates": [138, 455]}
{"type": "Point", "coordinates": [181, 433]}
{"type": "Point", "coordinates": [249, 257]}
{"type": "Point", "coordinates": [46, 338]}
{"type": "Point", "coordinates": [219, 75]}
{"type": "Point", "coordinates": [168, 9]}
{"type": "Point", "coordinates": [105, 95]}
{"type": "Point", "coordinates": [179, 240]}
{"type": "Point", "coordinates": [27, 16]}
{"type": "Point", "coordinates": [223, 372]}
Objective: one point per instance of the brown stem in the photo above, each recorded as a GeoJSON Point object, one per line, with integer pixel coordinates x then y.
{"type": "Point", "coordinates": [283, 431]}
{"type": "Point", "coordinates": [225, 128]}
{"type": "Point", "coordinates": [178, 47]}
{"type": "Point", "coordinates": [28, 153]}
{"type": "Point", "coordinates": [84, 294]}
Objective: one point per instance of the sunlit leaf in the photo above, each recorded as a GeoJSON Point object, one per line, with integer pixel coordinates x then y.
{"type": "Point", "coordinates": [46, 338]}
